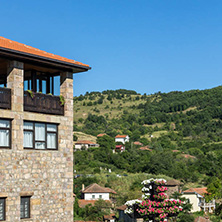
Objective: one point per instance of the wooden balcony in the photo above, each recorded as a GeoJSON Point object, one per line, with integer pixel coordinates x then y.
{"type": "Point", "coordinates": [5, 98]}
{"type": "Point", "coordinates": [43, 103]}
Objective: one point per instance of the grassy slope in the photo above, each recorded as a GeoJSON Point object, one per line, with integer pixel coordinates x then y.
{"type": "Point", "coordinates": [115, 109]}
{"type": "Point", "coordinates": [84, 136]}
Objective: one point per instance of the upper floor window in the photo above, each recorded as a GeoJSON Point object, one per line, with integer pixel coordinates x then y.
{"type": "Point", "coordinates": [5, 133]}
{"type": "Point", "coordinates": [39, 82]}
{"type": "Point", "coordinates": [40, 135]}
{"type": "Point", "coordinates": [2, 208]}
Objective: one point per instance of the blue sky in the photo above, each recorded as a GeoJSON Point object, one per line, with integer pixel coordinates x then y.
{"type": "Point", "coordinates": [143, 45]}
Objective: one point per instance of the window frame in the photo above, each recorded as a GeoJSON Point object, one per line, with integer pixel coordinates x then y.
{"type": "Point", "coordinates": [46, 132]}
{"type": "Point", "coordinates": [29, 207]}
{"type": "Point", "coordinates": [10, 133]}
{"type": "Point", "coordinates": [4, 208]}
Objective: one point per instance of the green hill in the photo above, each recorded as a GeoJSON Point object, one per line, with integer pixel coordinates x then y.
{"type": "Point", "coordinates": [182, 129]}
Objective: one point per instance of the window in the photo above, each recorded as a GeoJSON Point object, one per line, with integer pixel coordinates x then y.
{"type": "Point", "coordinates": [100, 196]}
{"type": "Point", "coordinates": [5, 133]}
{"type": "Point", "coordinates": [25, 207]}
{"type": "Point", "coordinates": [40, 135]}
{"type": "Point", "coordinates": [93, 196]}
{"type": "Point", "coordinates": [2, 209]}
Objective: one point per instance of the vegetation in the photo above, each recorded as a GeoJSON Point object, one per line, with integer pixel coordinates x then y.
{"type": "Point", "coordinates": [183, 130]}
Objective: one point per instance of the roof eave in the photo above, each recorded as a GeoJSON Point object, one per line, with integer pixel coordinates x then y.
{"type": "Point", "coordinates": [75, 68]}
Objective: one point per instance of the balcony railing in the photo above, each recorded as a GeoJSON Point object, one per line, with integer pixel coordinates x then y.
{"type": "Point", "coordinates": [204, 204]}
{"type": "Point", "coordinates": [5, 98]}
{"type": "Point", "coordinates": [42, 103]}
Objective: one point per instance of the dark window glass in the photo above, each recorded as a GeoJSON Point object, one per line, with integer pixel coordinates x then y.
{"type": "Point", "coordinates": [2, 209]}
{"type": "Point", "coordinates": [40, 136]}
{"type": "Point", "coordinates": [25, 207]}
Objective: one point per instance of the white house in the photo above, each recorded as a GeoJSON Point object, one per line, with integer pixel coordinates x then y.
{"type": "Point", "coordinates": [122, 138]}
{"type": "Point", "coordinates": [96, 192]}
{"type": "Point", "coordinates": [196, 197]}
{"type": "Point", "coordinates": [84, 144]}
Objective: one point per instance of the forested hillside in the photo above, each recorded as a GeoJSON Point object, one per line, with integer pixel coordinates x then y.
{"type": "Point", "coordinates": [182, 129]}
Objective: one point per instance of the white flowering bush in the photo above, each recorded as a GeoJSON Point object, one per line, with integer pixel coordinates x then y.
{"type": "Point", "coordinates": [132, 202]}
{"type": "Point", "coordinates": [128, 211]}
{"type": "Point", "coordinates": [156, 181]}
{"type": "Point", "coordinates": [145, 189]}
{"type": "Point", "coordinates": [145, 196]}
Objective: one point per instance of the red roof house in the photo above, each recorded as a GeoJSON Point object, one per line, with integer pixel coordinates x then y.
{"type": "Point", "coordinates": [119, 148]}
{"type": "Point", "coordinates": [79, 145]}
{"type": "Point", "coordinates": [122, 138]}
{"type": "Point", "coordinates": [95, 192]}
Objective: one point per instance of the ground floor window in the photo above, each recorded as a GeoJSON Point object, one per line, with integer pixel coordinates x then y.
{"type": "Point", "coordinates": [40, 135]}
{"type": "Point", "coordinates": [2, 209]}
{"type": "Point", "coordinates": [25, 207]}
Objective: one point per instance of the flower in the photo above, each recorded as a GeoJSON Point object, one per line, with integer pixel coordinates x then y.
{"type": "Point", "coordinates": [128, 211]}
{"type": "Point", "coordinates": [131, 202]}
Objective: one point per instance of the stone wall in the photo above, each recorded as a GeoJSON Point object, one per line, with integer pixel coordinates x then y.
{"type": "Point", "coordinates": [45, 175]}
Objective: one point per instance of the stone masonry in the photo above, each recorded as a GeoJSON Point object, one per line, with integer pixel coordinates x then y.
{"type": "Point", "coordinates": [45, 175]}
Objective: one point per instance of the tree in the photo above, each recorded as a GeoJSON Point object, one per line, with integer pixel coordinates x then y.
{"type": "Point", "coordinates": [106, 141]}
{"type": "Point", "coordinates": [96, 212]}
{"type": "Point", "coordinates": [75, 138]}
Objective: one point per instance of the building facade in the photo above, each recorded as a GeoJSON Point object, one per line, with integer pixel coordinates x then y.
{"type": "Point", "coordinates": [96, 192]}
{"type": "Point", "coordinates": [84, 145]}
{"type": "Point", "coordinates": [36, 134]}
{"type": "Point", "coordinates": [122, 138]}
{"type": "Point", "coordinates": [197, 199]}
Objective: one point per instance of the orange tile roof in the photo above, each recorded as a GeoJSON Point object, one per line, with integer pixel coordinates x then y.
{"type": "Point", "coordinates": [138, 143]}
{"type": "Point", "coordinates": [101, 134]}
{"type": "Point", "coordinates": [85, 221]}
{"type": "Point", "coordinates": [83, 203]}
{"type": "Point", "coordinates": [16, 46]}
{"type": "Point", "coordinates": [95, 188]}
{"type": "Point", "coordinates": [109, 217]}
{"type": "Point", "coordinates": [175, 151]}
{"type": "Point", "coordinates": [200, 191]}
{"type": "Point", "coordinates": [121, 136]}
{"type": "Point", "coordinates": [187, 156]}
{"type": "Point", "coordinates": [145, 148]}
{"type": "Point", "coordinates": [123, 207]}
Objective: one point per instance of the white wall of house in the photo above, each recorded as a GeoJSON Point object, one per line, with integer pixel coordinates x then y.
{"type": "Point", "coordinates": [103, 196]}
{"type": "Point", "coordinates": [194, 200]}
{"type": "Point", "coordinates": [79, 146]}
{"type": "Point", "coordinates": [122, 140]}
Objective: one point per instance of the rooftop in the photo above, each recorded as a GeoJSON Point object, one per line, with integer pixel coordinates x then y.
{"type": "Point", "coordinates": [121, 136]}
{"type": "Point", "coordinates": [84, 142]}
{"type": "Point", "coordinates": [101, 134]}
{"type": "Point", "coordinates": [95, 188]}
{"type": "Point", "coordinates": [83, 203]}
{"type": "Point", "coordinates": [10, 46]}
{"type": "Point", "coordinates": [145, 148]}
{"type": "Point", "coordinates": [200, 191]}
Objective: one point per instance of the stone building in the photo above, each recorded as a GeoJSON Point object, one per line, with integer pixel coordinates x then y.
{"type": "Point", "coordinates": [36, 148]}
